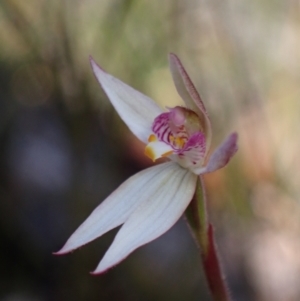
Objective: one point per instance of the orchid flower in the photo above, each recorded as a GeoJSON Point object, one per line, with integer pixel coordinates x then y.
{"type": "Point", "coordinates": [149, 203]}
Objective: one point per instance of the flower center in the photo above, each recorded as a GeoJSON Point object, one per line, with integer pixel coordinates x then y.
{"type": "Point", "coordinates": [177, 134]}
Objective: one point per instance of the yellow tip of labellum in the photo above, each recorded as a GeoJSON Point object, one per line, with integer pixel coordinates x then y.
{"type": "Point", "coordinates": [150, 153]}
{"type": "Point", "coordinates": [157, 149]}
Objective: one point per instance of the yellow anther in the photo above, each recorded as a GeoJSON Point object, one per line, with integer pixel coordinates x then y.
{"type": "Point", "coordinates": [182, 142]}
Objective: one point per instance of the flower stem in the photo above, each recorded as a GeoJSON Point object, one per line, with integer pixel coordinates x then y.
{"type": "Point", "coordinates": [203, 233]}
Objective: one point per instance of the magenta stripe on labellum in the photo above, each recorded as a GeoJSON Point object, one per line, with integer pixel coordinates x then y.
{"type": "Point", "coordinates": [166, 131]}
{"type": "Point", "coordinates": [195, 148]}
{"type": "Point", "coordinates": [179, 129]}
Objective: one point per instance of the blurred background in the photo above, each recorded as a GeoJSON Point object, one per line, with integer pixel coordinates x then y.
{"type": "Point", "coordinates": [63, 148]}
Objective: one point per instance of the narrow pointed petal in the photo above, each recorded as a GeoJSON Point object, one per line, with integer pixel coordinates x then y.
{"type": "Point", "coordinates": [136, 109]}
{"type": "Point", "coordinates": [153, 217]}
{"type": "Point", "coordinates": [189, 94]}
{"type": "Point", "coordinates": [118, 206]}
{"type": "Point", "coordinates": [221, 156]}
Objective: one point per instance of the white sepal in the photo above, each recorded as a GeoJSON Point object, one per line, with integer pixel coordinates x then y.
{"type": "Point", "coordinates": [153, 217]}
{"type": "Point", "coordinates": [136, 109]}
{"type": "Point", "coordinates": [118, 206]}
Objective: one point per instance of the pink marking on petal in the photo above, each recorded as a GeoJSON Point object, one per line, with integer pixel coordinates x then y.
{"type": "Point", "coordinates": [168, 132]}
{"type": "Point", "coordinates": [180, 130]}
{"type": "Point", "coordinates": [195, 148]}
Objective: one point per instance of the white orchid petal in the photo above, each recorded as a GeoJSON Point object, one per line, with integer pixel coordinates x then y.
{"type": "Point", "coordinates": [118, 206]}
{"type": "Point", "coordinates": [136, 109]}
{"type": "Point", "coordinates": [153, 217]}
{"type": "Point", "coordinates": [189, 94]}
{"type": "Point", "coordinates": [221, 156]}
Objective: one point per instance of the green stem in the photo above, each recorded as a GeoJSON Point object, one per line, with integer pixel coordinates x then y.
{"type": "Point", "coordinates": [203, 232]}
